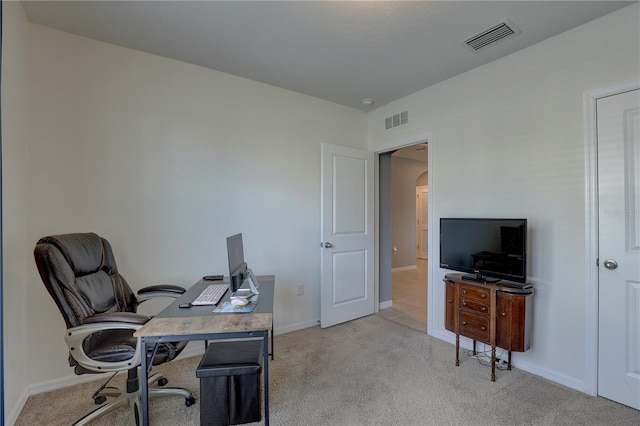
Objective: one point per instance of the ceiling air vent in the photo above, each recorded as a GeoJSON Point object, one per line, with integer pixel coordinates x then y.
{"type": "Point", "coordinates": [491, 35]}
{"type": "Point", "coordinates": [396, 120]}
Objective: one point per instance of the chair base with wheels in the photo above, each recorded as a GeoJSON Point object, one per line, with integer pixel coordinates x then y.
{"type": "Point", "coordinates": [130, 397]}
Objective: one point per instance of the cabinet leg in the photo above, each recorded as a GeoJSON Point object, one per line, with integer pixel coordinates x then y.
{"type": "Point", "coordinates": [474, 348]}
{"type": "Point", "coordinates": [457, 350]}
{"type": "Point", "coordinates": [493, 363]}
{"type": "Point", "coordinates": [509, 361]}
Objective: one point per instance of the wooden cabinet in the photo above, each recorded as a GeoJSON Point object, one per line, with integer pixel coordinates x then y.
{"type": "Point", "coordinates": [495, 314]}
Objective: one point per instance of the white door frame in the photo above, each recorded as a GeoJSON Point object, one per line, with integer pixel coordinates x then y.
{"type": "Point", "coordinates": [392, 146]}
{"type": "Point", "coordinates": [591, 231]}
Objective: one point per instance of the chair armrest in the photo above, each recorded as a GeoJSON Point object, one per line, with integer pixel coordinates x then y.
{"type": "Point", "coordinates": [156, 291]}
{"type": "Point", "coordinates": [111, 317]}
{"type": "Point", "coordinates": [117, 320]}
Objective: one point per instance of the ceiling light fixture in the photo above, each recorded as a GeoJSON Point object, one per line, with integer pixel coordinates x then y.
{"type": "Point", "coordinates": [367, 101]}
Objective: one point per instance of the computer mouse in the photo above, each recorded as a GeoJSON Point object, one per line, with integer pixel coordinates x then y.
{"type": "Point", "coordinates": [239, 301]}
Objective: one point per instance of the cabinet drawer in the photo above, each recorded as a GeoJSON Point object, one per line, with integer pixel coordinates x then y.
{"type": "Point", "coordinates": [474, 293]}
{"type": "Point", "coordinates": [479, 306]}
{"type": "Point", "coordinates": [474, 326]}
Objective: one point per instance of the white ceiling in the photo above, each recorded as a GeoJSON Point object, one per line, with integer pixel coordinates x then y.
{"type": "Point", "coordinates": [338, 51]}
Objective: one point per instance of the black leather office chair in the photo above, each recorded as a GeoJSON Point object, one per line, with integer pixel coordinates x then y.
{"type": "Point", "coordinates": [99, 308]}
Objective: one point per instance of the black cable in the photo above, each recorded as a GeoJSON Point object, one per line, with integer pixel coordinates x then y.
{"type": "Point", "coordinates": [484, 358]}
{"type": "Point", "coordinates": [104, 386]}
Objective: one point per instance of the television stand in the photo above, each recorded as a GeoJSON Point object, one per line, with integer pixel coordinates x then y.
{"type": "Point", "coordinates": [494, 314]}
{"type": "Point", "coordinates": [480, 278]}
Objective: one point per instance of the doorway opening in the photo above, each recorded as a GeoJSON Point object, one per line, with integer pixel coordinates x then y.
{"type": "Point", "coordinates": [404, 235]}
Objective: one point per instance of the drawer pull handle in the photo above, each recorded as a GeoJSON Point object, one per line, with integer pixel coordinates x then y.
{"type": "Point", "coordinates": [484, 295]}
{"type": "Point", "coordinates": [483, 328]}
{"type": "Point", "coordinates": [464, 291]}
{"type": "Point", "coordinates": [483, 309]}
{"type": "Point", "coordinates": [464, 323]}
{"type": "Point", "coordinates": [464, 303]}
{"type": "Point", "coordinates": [450, 300]}
{"type": "Point", "coordinates": [504, 314]}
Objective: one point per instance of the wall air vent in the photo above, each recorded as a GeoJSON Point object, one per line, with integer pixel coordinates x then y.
{"type": "Point", "coordinates": [491, 35]}
{"type": "Point", "coordinates": [396, 120]}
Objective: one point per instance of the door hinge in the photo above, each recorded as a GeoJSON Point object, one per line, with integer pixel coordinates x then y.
{"type": "Point", "coordinates": [598, 262]}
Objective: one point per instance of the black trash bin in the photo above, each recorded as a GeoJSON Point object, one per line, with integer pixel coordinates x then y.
{"type": "Point", "coordinates": [229, 375]}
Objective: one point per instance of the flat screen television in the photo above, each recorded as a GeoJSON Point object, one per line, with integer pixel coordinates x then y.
{"type": "Point", "coordinates": [488, 249]}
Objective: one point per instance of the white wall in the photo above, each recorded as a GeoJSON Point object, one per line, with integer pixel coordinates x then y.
{"type": "Point", "coordinates": [15, 37]}
{"type": "Point", "coordinates": [507, 140]}
{"type": "Point", "coordinates": [164, 159]}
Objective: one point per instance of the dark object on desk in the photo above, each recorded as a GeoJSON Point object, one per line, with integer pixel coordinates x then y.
{"type": "Point", "coordinates": [213, 277]}
{"type": "Point", "coordinates": [99, 309]}
{"type": "Point", "coordinates": [229, 375]}
{"type": "Point", "coordinates": [237, 265]}
{"type": "Point", "coordinates": [184, 305]}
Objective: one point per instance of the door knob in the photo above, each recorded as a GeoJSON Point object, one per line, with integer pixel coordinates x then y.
{"type": "Point", "coordinates": [328, 245]}
{"type": "Point", "coordinates": [610, 264]}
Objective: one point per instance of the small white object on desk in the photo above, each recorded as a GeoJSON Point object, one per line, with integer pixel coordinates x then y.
{"type": "Point", "coordinates": [239, 301]}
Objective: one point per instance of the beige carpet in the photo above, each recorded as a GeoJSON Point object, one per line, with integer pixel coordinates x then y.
{"type": "Point", "coordinates": [368, 371]}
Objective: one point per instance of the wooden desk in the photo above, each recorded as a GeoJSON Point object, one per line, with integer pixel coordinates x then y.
{"type": "Point", "coordinates": [174, 324]}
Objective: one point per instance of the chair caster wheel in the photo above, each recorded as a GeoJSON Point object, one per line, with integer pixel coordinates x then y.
{"type": "Point", "coordinates": [99, 399]}
{"type": "Point", "coordinates": [163, 381]}
{"type": "Point", "coordinates": [189, 401]}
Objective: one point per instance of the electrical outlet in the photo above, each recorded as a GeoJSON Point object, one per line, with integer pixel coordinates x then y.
{"type": "Point", "coordinates": [300, 290]}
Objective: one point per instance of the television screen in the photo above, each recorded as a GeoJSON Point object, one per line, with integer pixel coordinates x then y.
{"type": "Point", "coordinates": [489, 249]}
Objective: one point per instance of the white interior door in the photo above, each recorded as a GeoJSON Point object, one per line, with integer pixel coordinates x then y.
{"type": "Point", "coordinates": [618, 123]}
{"type": "Point", "coordinates": [347, 239]}
{"type": "Point", "coordinates": [422, 222]}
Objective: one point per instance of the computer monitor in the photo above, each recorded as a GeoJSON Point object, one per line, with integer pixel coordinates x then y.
{"type": "Point", "coordinates": [237, 265]}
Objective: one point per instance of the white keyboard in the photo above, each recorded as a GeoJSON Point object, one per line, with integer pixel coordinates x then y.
{"type": "Point", "coordinates": [211, 295]}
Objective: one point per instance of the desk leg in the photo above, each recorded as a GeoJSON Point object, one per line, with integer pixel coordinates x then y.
{"type": "Point", "coordinates": [273, 346]}
{"type": "Point", "coordinates": [265, 371]}
{"type": "Point", "coordinates": [144, 384]}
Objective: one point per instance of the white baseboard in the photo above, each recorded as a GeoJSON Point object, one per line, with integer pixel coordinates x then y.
{"type": "Point", "coordinates": [520, 364]}
{"type": "Point", "coordinates": [12, 416]}
{"type": "Point", "coordinates": [63, 382]}
{"type": "Point", "coordinates": [295, 327]}
{"type": "Point", "coordinates": [554, 376]}
{"type": "Point", "coordinates": [46, 386]}
{"type": "Point", "coordinates": [386, 304]}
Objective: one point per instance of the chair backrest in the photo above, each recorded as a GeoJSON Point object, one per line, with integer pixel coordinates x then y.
{"type": "Point", "coordinates": [80, 273]}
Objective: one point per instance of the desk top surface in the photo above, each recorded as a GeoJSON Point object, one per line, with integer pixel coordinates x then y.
{"type": "Point", "coordinates": [177, 321]}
